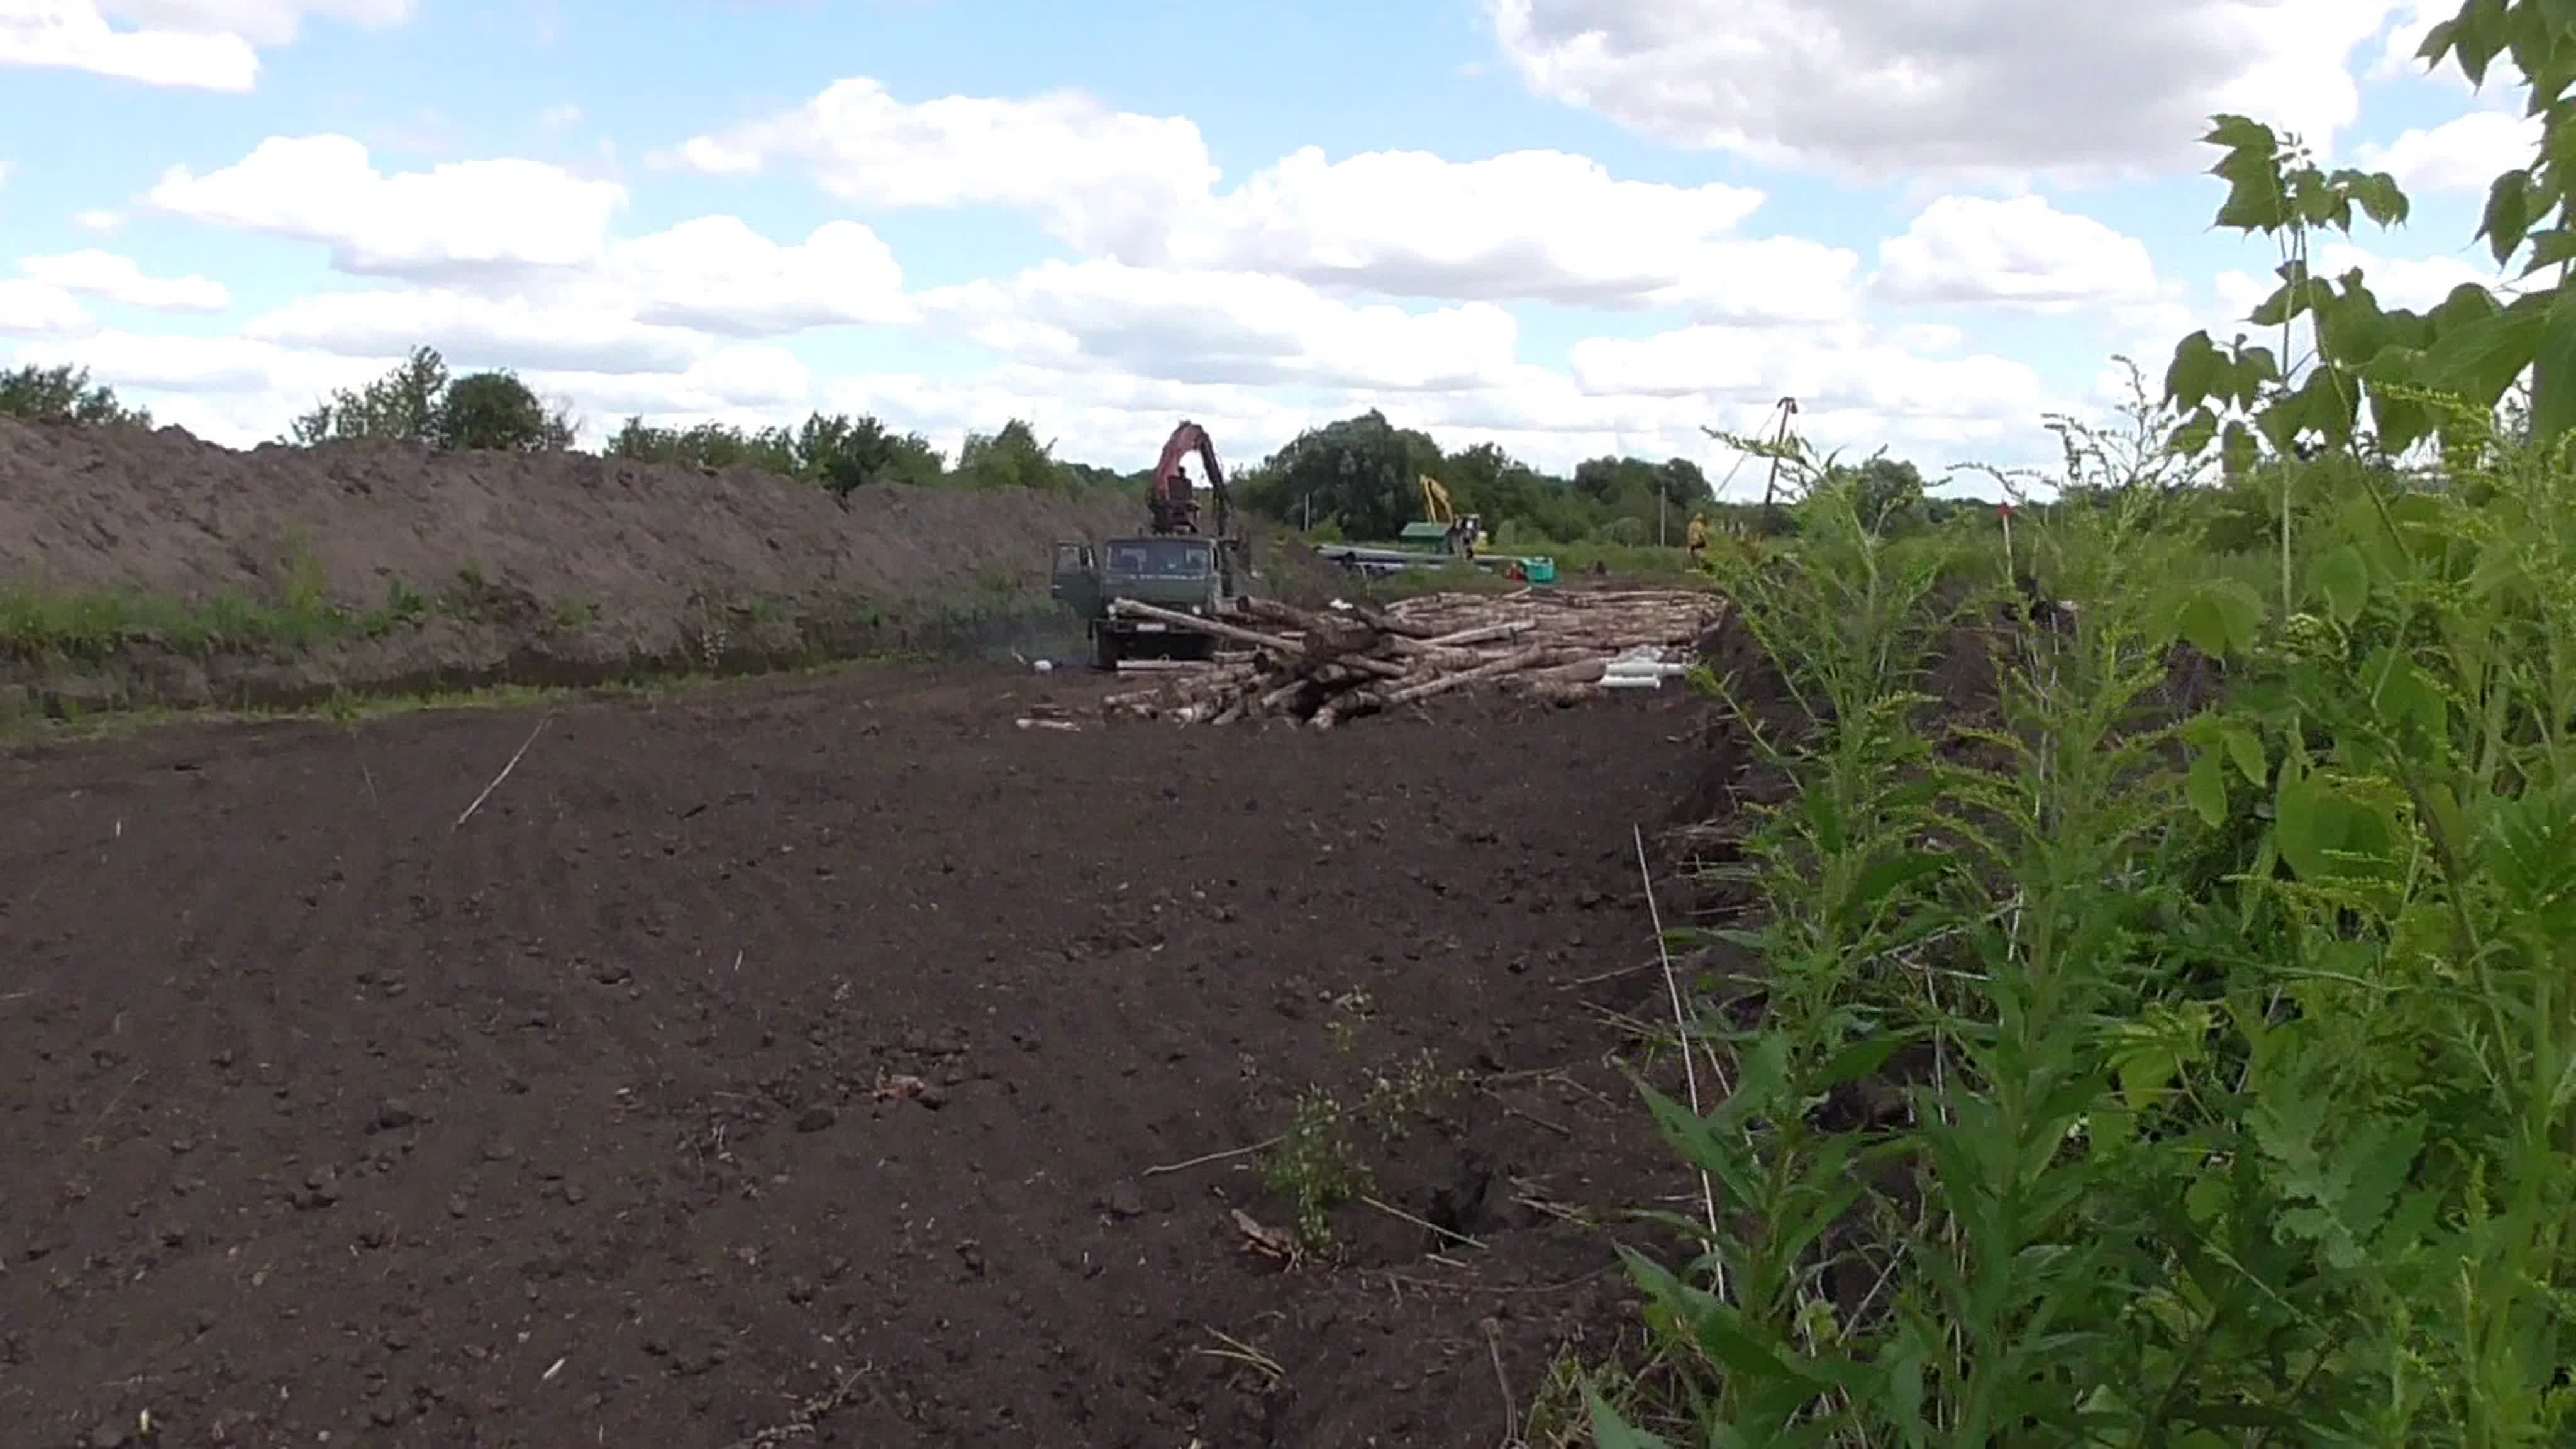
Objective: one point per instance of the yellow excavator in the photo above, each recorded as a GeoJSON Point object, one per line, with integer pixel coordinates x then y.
{"type": "Point", "coordinates": [1442, 526]}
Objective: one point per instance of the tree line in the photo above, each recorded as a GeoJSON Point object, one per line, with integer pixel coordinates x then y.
{"type": "Point", "coordinates": [1357, 478]}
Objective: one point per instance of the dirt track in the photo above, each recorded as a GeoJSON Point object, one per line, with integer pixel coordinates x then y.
{"type": "Point", "coordinates": [564, 1126]}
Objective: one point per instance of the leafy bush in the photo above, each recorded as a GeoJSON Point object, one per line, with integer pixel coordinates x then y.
{"type": "Point", "coordinates": [64, 394]}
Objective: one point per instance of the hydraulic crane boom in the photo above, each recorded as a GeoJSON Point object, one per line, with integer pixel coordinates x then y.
{"type": "Point", "coordinates": [1174, 509]}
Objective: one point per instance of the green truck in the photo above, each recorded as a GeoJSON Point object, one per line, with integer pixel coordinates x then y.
{"type": "Point", "coordinates": [1184, 574]}
{"type": "Point", "coordinates": [1179, 566]}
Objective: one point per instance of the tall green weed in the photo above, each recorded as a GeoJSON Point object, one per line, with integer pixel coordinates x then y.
{"type": "Point", "coordinates": [2220, 971]}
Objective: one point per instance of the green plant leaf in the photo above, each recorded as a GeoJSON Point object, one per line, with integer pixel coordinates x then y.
{"type": "Point", "coordinates": [2352, 328]}
{"type": "Point", "coordinates": [2205, 787]}
{"type": "Point", "coordinates": [2402, 421]}
{"type": "Point", "coordinates": [2401, 696]}
{"type": "Point", "coordinates": [2330, 403]}
{"type": "Point", "coordinates": [2246, 749]}
{"type": "Point", "coordinates": [2381, 198]}
{"type": "Point", "coordinates": [2219, 617]}
{"type": "Point", "coordinates": [2341, 577]}
{"type": "Point", "coordinates": [2479, 358]}
{"type": "Point", "coordinates": [2549, 247]}
{"type": "Point", "coordinates": [2193, 435]}
{"type": "Point", "coordinates": [2508, 214]}
{"type": "Point", "coordinates": [2553, 374]}
{"type": "Point", "coordinates": [2195, 372]}
{"type": "Point", "coordinates": [2240, 133]}
{"type": "Point", "coordinates": [2238, 449]}
{"type": "Point", "coordinates": [1609, 1431]}
{"type": "Point", "coordinates": [2258, 198]}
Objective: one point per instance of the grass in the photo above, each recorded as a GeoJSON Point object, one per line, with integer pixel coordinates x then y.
{"type": "Point", "coordinates": [353, 708]}
{"type": "Point", "coordinates": [82, 654]}
{"type": "Point", "coordinates": [2226, 1027]}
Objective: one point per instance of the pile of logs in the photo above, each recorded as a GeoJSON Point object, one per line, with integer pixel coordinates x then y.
{"type": "Point", "coordinates": [1325, 666]}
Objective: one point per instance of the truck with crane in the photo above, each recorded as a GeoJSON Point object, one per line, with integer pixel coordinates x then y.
{"type": "Point", "coordinates": [1177, 565]}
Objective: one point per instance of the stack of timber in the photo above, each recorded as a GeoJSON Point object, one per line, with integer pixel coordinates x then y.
{"type": "Point", "coordinates": [1325, 666]}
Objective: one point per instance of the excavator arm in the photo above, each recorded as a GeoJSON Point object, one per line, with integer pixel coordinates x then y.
{"type": "Point", "coordinates": [1174, 509]}
{"type": "Point", "coordinates": [1435, 502]}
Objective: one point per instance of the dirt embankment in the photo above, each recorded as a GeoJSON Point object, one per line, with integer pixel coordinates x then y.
{"type": "Point", "coordinates": [153, 568]}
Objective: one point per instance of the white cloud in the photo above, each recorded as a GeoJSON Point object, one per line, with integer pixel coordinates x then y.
{"type": "Point", "coordinates": [521, 267]}
{"type": "Point", "coordinates": [456, 218]}
{"type": "Point", "coordinates": [99, 220]}
{"type": "Point", "coordinates": [1238, 327]}
{"type": "Point", "coordinates": [1976, 86]}
{"type": "Point", "coordinates": [2464, 154]}
{"type": "Point", "coordinates": [472, 330]}
{"type": "Point", "coordinates": [72, 35]}
{"type": "Point", "coordinates": [556, 118]}
{"type": "Point", "coordinates": [740, 381]}
{"type": "Point", "coordinates": [261, 22]}
{"type": "Point", "coordinates": [182, 44]}
{"type": "Point", "coordinates": [239, 391]}
{"type": "Point", "coordinates": [1542, 225]}
{"type": "Point", "coordinates": [1850, 369]}
{"type": "Point", "coordinates": [112, 278]}
{"type": "Point", "coordinates": [2410, 282]}
{"type": "Point", "coordinates": [1113, 420]}
{"type": "Point", "coordinates": [31, 308]}
{"type": "Point", "coordinates": [1536, 225]}
{"type": "Point", "coordinates": [1101, 179]}
{"type": "Point", "coordinates": [2415, 20]}
{"type": "Point", "coordinates": [2021, 253]}
{"type": "Point", "coordinates": [718, 275]}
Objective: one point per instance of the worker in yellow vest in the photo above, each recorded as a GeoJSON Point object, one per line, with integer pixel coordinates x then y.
{"type": "Point", "coordinates": [1695, 541]}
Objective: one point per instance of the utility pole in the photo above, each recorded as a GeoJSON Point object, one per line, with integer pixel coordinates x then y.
{"type": "Point", "coordinates": [1770, 488]}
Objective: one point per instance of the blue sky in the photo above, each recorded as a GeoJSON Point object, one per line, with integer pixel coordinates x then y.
{"type": "Point", "coordinates": [1605, 225]}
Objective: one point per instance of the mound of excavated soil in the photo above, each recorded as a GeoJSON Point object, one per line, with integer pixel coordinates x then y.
{"type": "Point", "coordinates": [359, 565]}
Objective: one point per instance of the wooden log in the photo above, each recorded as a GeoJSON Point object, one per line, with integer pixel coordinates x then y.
{"type": "Point", "coordinates": [1218, 627]}
{"type": "Point", "coordinates": [1442, 684]}
{"type": "Point", "coordinates": [1582, 671]}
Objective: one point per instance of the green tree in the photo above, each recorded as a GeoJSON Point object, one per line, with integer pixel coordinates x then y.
{"type": "Point", "coordinates": [418, 402]}
{"type": "Point", "coordinates": [400, 407]}
{"type": "Point", "coordinates": [1010, 458]}
{"type": "Point", "coordinates": [1361, 475]}
{"type": "Point", "coordinates": [843, 454]}
{"type": "Point", "coordinates": [496, 412]}
{"type": "Point", "coordinates": [64, 394]}
{"type": "Point", "coordinates": [1887, 494]}
{"type": "Point", "coordinates": [704, 445]}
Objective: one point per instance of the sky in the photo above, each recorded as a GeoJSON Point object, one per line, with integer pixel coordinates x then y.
{"type": "Point", "coordinates": [1570, 227]}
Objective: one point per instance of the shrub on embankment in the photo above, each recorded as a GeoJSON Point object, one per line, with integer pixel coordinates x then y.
{"type": "Point", "coordinates": [146, 567]}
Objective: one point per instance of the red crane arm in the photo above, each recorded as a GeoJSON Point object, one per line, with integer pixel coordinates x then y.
{"type": "Point", "coordinates": [1174, 509]}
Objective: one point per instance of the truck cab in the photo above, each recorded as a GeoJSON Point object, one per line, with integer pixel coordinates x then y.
{"type": "Point", "coordinates": [1184, 573]}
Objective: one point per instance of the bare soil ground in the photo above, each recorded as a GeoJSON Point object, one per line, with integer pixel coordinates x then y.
{"type": "Point", "coordinates": [818, 1056]}
{"type": "Point", "coordinates": [473, 568]}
